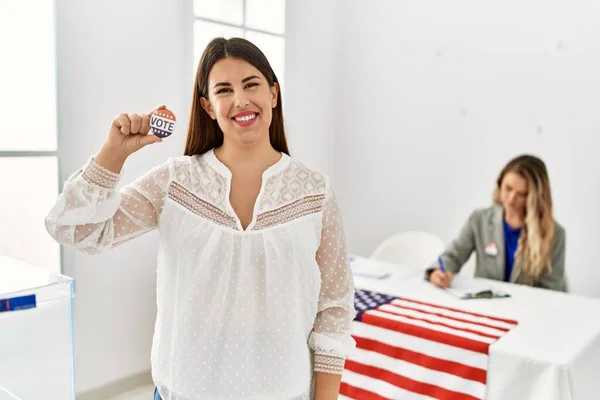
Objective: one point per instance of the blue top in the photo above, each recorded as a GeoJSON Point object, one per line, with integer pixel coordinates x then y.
{"type": "Point", "coordinates": [511, 242]}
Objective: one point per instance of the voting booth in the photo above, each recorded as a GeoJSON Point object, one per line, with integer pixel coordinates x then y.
{"type": "Point", "coordinates": [36, 333]}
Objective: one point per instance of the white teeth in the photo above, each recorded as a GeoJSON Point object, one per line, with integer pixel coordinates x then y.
{"type": "Point", "coordinates": [246, 118]}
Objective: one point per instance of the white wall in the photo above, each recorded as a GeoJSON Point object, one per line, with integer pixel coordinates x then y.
{"type": "Point", "coordinates": [434, 97]}
{"type": "Point", "coordinates": [310, 68]}
{"type": "Point", "coordinates": [114, 57]}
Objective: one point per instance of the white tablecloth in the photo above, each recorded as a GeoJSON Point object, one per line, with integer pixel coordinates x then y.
{"type": "Point", "coordinates": [554, 352]}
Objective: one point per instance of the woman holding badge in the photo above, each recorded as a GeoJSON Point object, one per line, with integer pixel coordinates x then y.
{"type": "Point", "coordinates": [255, 294]}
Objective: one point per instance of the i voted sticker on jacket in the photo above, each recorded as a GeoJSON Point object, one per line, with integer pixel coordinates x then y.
{"type": "Point", "coordinates": [491, 249]}
{"type": "Point", "coordinates": [162, 123]}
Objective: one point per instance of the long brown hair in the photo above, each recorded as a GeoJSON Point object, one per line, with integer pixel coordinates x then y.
{"type": "Point", "coordinates": [204, 133]}
{"type": "Point", "coordinates": [534, 249]}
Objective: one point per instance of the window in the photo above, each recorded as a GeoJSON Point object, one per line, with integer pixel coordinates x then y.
{"type": "Point", "coordinates": [260, 21]}
{"type": "Point", "coordinates": [28, 132]}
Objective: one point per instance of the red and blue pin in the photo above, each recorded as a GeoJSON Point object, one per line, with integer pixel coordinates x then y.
{"type": "Point", "coordinates": [162, 123]}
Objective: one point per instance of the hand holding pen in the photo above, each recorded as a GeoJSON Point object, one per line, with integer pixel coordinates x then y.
{"type": "Point", "coordinates": [441, 277]}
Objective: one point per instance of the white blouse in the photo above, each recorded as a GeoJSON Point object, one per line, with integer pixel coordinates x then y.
{"type": "Point", "coordinates": [242, 314]}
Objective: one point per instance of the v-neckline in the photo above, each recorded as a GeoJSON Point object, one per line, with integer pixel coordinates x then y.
{"type": "Point", "coordinates": [224, 171]}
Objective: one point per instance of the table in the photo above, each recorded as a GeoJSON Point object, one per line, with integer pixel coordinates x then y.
{"type": "Point", "coordinates": [553, 353]}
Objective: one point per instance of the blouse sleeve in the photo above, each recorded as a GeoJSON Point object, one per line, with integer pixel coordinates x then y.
{"type": "Point", "coordinates": [331, 338]}
{"type": "Point", "coordinates": [93, 216]}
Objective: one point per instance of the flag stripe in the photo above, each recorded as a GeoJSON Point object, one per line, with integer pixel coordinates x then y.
{"type": "Point", "coordinates": [434, 322]}
{"type": "Point", "coordinates": [438, 364]}
{"type": "Point", "coordinates": [505, 321]}
{"type": "Point", "coordinates": [434, 391]}
{"type": "Point", "coordinates": [420, 345]}
{"type": "Point", "coordinates": [452, 315]}
{"type": "Point", "coordinates": [443, 318]}
{"type": "Point", "coordinates": [379, 388]}
{"type": "Point", "coordinates": [415, 372]}
{"type": "Point", "coordinates": [359, 394]}
{"type": "Point", "coordinates": [428, 334]}
{"type": "Point", "coordinates": [431, 327]}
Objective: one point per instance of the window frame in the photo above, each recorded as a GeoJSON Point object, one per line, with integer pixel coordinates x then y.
{"type": "Point", "coordinates": [48, 153]}
{"type": "Point", "coordinates": [243, 26]}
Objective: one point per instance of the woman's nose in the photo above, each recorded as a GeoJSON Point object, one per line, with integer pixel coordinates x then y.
{"type": "Point", "coordinates": [241, 100]}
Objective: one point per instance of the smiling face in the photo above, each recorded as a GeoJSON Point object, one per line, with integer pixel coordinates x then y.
{"type": "Point", "coordinates": [240, 100]}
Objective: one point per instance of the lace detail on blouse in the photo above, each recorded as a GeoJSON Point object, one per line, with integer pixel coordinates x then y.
{"type": "Point", "coordinates": [200, 179]}
{"type": "Point", "coordinates": [199, 207]}
{"type": "Point", "coordinates": [329, 364]}
{"type": "Point", "coordinates": [295, 182]}
{"type": "Point", "coordinates": [297, 209]}
{"type": "Point", "coordinates": [97, 174]}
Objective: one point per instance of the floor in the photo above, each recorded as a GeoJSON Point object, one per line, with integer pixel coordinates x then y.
{"type": "Point", "coordinates": [141, 393]}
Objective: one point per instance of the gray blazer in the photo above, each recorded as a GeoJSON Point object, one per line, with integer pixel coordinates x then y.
{"type": "Point", "coordinates": [485, 228]}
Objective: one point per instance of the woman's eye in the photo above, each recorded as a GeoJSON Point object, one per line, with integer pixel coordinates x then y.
{"type": "Point", "coordinates": [224, 90]}
{"type": "Point", "coordinates": [252, 84]}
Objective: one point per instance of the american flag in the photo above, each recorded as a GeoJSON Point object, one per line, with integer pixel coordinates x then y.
{"type": "Point", "coordinates": [408, 349]}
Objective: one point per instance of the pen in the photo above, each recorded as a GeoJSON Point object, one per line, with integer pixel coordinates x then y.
{"type": "Point", "coordinates": [441, 263]}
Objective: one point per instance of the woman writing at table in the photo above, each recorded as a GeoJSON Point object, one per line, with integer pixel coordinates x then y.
{"type": "Point", "coordinates": [516, 239]}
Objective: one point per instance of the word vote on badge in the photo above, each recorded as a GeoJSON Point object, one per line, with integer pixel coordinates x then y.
{"type": "Point", "coordinates": [162, 123]}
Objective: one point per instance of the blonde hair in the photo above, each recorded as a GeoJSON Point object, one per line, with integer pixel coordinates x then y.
{"type": "Point", "coordinates": [534, 249]}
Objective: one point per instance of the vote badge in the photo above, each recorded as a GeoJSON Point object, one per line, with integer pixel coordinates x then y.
{"type": "Point", "coordinates": [162, 123]}
{"type": "Point", "coordinates": [491, 249]}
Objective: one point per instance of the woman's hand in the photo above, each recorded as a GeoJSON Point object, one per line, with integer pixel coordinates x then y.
{"type": "Point", "coordinates": [440, 278]}
{"type": "Point", "coordinates": [127, 134]}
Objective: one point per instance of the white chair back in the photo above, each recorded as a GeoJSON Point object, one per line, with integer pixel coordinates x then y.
{"type": "Point", "coordinates": [412, 248]}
